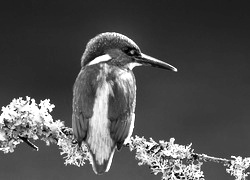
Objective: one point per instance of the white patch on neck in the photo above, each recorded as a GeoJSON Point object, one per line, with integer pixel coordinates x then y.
{"type": "Point", "coordinates": [133, 64]}
{"type": "Point", "coordinates": [99, 139]}
{"type": "Point", "coordinates": [102, 58]}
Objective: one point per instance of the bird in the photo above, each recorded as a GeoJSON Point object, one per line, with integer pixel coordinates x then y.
{"type": "Point", "coordinates": [104, 95]}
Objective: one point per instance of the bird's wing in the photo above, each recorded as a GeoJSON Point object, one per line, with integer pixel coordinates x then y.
{"type": "Point", "coordinates": [83, 100]}
{"type": "Point", "coordinates": [121, 107]}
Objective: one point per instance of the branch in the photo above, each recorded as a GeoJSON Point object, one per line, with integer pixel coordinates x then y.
{"type": "Point", "coordinates": [24, 120]}
{"type": "Point", "coordinates": [176, 161]}
{"type": "Point", "coordinates": [26, 140]}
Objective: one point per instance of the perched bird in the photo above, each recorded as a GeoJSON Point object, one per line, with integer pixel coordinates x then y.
{"type": "Point", "coordinates": [104, 95]}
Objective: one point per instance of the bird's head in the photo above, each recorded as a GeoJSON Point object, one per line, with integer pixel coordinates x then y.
{"type": "Point", "coordinates": [117, 49]}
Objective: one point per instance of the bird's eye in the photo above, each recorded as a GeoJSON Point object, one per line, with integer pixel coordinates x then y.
{"type": "Point", "coordinates": [131, 52]}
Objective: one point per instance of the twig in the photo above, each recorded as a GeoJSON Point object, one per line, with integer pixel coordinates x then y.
{"type": "Point", "coordinates": [29, 143]}
{"type": "Point", "coordinates": [205, 158]}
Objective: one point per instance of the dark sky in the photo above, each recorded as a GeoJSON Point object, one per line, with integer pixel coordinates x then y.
{"type": "Point", "coordinates": [206, 102]}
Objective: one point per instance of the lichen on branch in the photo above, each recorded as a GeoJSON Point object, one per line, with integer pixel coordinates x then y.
{"type": "Point", "coordinates": [24, 120]}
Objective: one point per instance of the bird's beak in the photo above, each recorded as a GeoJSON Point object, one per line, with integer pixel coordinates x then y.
{"type": "Point", "coordinates": [144, 59]}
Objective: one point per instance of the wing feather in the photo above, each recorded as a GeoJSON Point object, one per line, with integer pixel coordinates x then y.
{"type": "Point", "coordinates": [83, 100]}
{"type": "Point", "coordinates": [122, 106]}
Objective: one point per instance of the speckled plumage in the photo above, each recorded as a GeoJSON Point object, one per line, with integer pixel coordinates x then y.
{"type": "Point", "coordinates": [103, 42]}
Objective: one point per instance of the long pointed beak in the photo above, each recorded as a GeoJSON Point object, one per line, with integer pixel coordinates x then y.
{"type": "Point", "coordinates": [150, 61]}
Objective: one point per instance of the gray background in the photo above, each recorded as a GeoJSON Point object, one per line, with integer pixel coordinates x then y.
{"type": "Point", "coordinates": [206, 102]}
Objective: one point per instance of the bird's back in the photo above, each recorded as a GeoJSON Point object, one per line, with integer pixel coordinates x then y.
{"type": "Point", "coordinates": [103, 111]}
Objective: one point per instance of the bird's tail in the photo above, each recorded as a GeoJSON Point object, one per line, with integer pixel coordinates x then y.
{"type": "Point", "coordinates": [100, 168]}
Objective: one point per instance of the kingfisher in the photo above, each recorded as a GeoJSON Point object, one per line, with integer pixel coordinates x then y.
{"type": "Point", "coordinates": [104, 95]}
